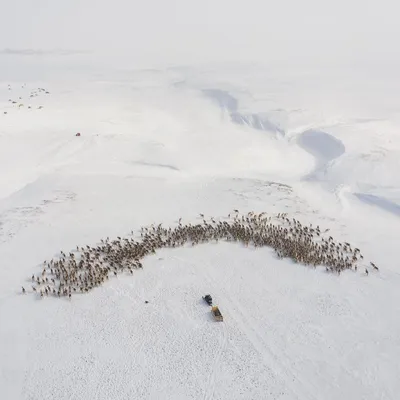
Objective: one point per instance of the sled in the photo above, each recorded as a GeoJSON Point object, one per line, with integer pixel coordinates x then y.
{"type": "Point", "coordinates": [217, 314]}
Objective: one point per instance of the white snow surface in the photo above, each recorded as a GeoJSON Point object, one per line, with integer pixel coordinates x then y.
{"type": "Point", "coordinates": [154, 148]}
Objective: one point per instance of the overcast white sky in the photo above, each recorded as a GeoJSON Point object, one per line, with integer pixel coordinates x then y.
{"type": "Point", "coordinates": [205, 29]}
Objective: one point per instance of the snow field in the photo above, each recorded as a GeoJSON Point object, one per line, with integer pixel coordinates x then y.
{"type": "Point", "coordinates": [152, 152]}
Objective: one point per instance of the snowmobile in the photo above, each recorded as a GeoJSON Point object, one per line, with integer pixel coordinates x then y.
{"type": "Point", "coordinates": [208, 299]}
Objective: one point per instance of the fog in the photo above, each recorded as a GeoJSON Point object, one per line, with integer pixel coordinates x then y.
{"type": "Point", "coordinates": [207, 30]}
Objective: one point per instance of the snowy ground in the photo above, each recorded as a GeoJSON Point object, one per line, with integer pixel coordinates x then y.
{"type": "Point", "coordinates": [158, 145]}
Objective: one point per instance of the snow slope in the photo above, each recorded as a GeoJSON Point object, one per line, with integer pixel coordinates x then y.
{"type": "Point", "coordinates": [155, 147]}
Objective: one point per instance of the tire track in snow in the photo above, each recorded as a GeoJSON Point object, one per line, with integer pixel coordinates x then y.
{"type": "Point", "coordinates": [223, 339]}
{"type": "Point", "coordinates": [271, 360]}
{"type": "Point", "coordinates": [210, 389]}
{"type": "Point", "coordinates": [341, 192]}
{"type": "Point", "coordinates": [19, 217]}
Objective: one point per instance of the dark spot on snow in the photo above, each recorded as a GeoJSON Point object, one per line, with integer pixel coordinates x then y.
{"type": "Point", "coordinates": [381, 202]}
